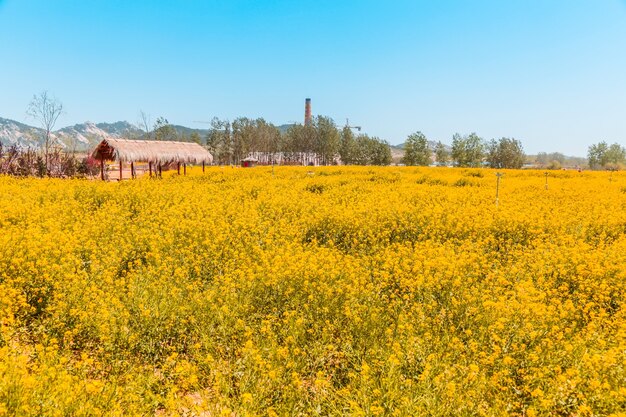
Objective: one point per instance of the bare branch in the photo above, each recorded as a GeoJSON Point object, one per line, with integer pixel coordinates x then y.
{"type": "Point", "coordinates": [46, 109]}
{"type": "Point", "coordinates": [145, 123]}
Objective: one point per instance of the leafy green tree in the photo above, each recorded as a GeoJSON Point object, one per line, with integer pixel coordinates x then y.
{"type": "Point", "coordinates": [219, 141]}
{"type": "Point", "coordinates": [416, 150]}
{"type": "Point", "coordinates": [361, 150]}
{"type": "Point", "coordinates": [468, 151]}
{"type": "Point", "coordinates": [243, 136]}
{"type": "Point", "coordinates": [442, 155]}
{"type": "Point", "coordinates": [556, 160]}
{"type": "Point", "coordinates": [267, 137]}
{"type": "Point", "coordinates": [163, 130]}
{"type": "Point", "coordinates": [231, 142]}
{"type": "Point", "coordinates": [381, 152]}
{"type": "Point", "coordinates": [615, 156]}
{"type": "Point", "coordinates": [601, 155]}
{"type": "Point", "coordinates": [505, 153]}
{"type": "Point", "coordinates": [299, 138]}
{"type": "Point", "coordinates": [195, 137]}
{"type": "Point", "coordinates": [347, 146]}
{"type": "Point", "coordinates": [371, 151]}
{"type": "Point", "coordinates": [545, 159]}
{"type": "Point", "coordinates": [300, 143]}
{"type": "Point", "coordinates": [597, 155]}
{"type": "Point", "coordinates": [327, 139]}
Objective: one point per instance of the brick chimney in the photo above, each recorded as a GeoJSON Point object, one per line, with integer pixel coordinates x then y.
{"type": "Point", "coordinates": [307, 111]}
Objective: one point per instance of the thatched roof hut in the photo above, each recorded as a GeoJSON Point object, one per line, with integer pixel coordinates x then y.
{"type": "Point", "coordinates": [158, 152]}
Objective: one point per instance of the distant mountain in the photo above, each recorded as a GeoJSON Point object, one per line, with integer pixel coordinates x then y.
{"type": "Point", "coordinates": [185, 132]}
{"type": "Point", "coordinates": [79, 137]}
{"type": "Point", "coordinates": [20, 134]}
{"type": "Point", "coordinates": [84, 136]}
{"type": "Point", "coordinates": [120, 129]}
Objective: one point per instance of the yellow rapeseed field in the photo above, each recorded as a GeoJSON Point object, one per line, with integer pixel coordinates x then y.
{"type": "Point", "coordinates": [314, 291]}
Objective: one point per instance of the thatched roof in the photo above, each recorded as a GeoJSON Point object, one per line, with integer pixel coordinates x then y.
{"type": "Point", "coordinates": [162, 152]}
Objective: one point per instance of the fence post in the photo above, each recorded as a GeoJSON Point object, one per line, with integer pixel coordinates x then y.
{"type": "Point", "coordinates": [498, 175]}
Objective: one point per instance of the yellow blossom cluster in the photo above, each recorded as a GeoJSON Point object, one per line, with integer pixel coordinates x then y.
{"type": "Point", "coordinates": [390, 291]}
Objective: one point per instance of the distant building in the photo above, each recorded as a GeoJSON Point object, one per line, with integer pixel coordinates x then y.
{"type": "Point", "coordinates": [249, 162]}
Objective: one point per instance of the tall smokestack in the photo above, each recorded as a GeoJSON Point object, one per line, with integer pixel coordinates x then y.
{"type": "Point", "coordinates": [307, 111]}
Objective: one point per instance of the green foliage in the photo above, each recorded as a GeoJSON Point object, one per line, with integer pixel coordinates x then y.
{"type": "Point", "coordinates": [552, 160]}
{"type": "Point", "coordinates": [327, 140]}
{"type": "Point", "coordinates": [468, 151]}
{"type": "Point", "coordinates": [505, 153]}
{"type": "Point", "coordinates": [195, 137]}
{"type": "Point", "coordinates": [556, 160]}
{"type": "Point", "coordinates": [464, 182]}
{"type": "Point", "coordinates": [346, 146]}
{"type": "Point", "coordinates": [301, 138]}
{"type": "Point", "coordinates": [243, 130]}
{"type": "Point", "coordinates": [321, 137]}
{"type": "Point", "coordinates": [442, 156]}
{"type": "Point", "coordinates": [554, 165]}
{"type": "Point", "coordinates": [416, 150]}
{"type": "Point", "coordinates": [616, 154]}
{"type": "Point", "coordinates": [601, 155]}
{"type": "Point", "coordinates": [475, 174]}
{"type": "Point", "coordinates": [597, 155]}
{"type": "Point", "coordinates": [219, 141]}
{"type": "Point", "coordinates": [371, 151]}
{"type": "Point", "coordinates": [319, 142]}
{"type": "Point", "coordinates": [163, 130]}
{"type": "Point", "coordinates": [231, 142]}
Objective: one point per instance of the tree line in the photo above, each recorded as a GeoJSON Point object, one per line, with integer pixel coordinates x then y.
{"type": "Point", "coordinates": [322, 142]}
{"type": "Point", "coordinates": [473, 151]}
{"type": "Point", "coordinates": [466, 151]}
{"type": "Point", "coordinates": [319, 142]}
{"type": "Point", "coordinates": [603, 155]}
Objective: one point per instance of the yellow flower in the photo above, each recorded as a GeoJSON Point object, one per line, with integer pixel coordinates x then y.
{"type": "Point", "coordinates": [362, 289]}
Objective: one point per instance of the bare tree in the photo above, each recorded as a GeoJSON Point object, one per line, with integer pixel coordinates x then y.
{"type": "Point", "coordinates": [46, 109]}
{"type": "Point", "coordinates": [145, 124]}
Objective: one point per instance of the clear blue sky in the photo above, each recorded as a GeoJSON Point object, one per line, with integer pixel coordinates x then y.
{"type": "Point", "coordinates": [551, 73]}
